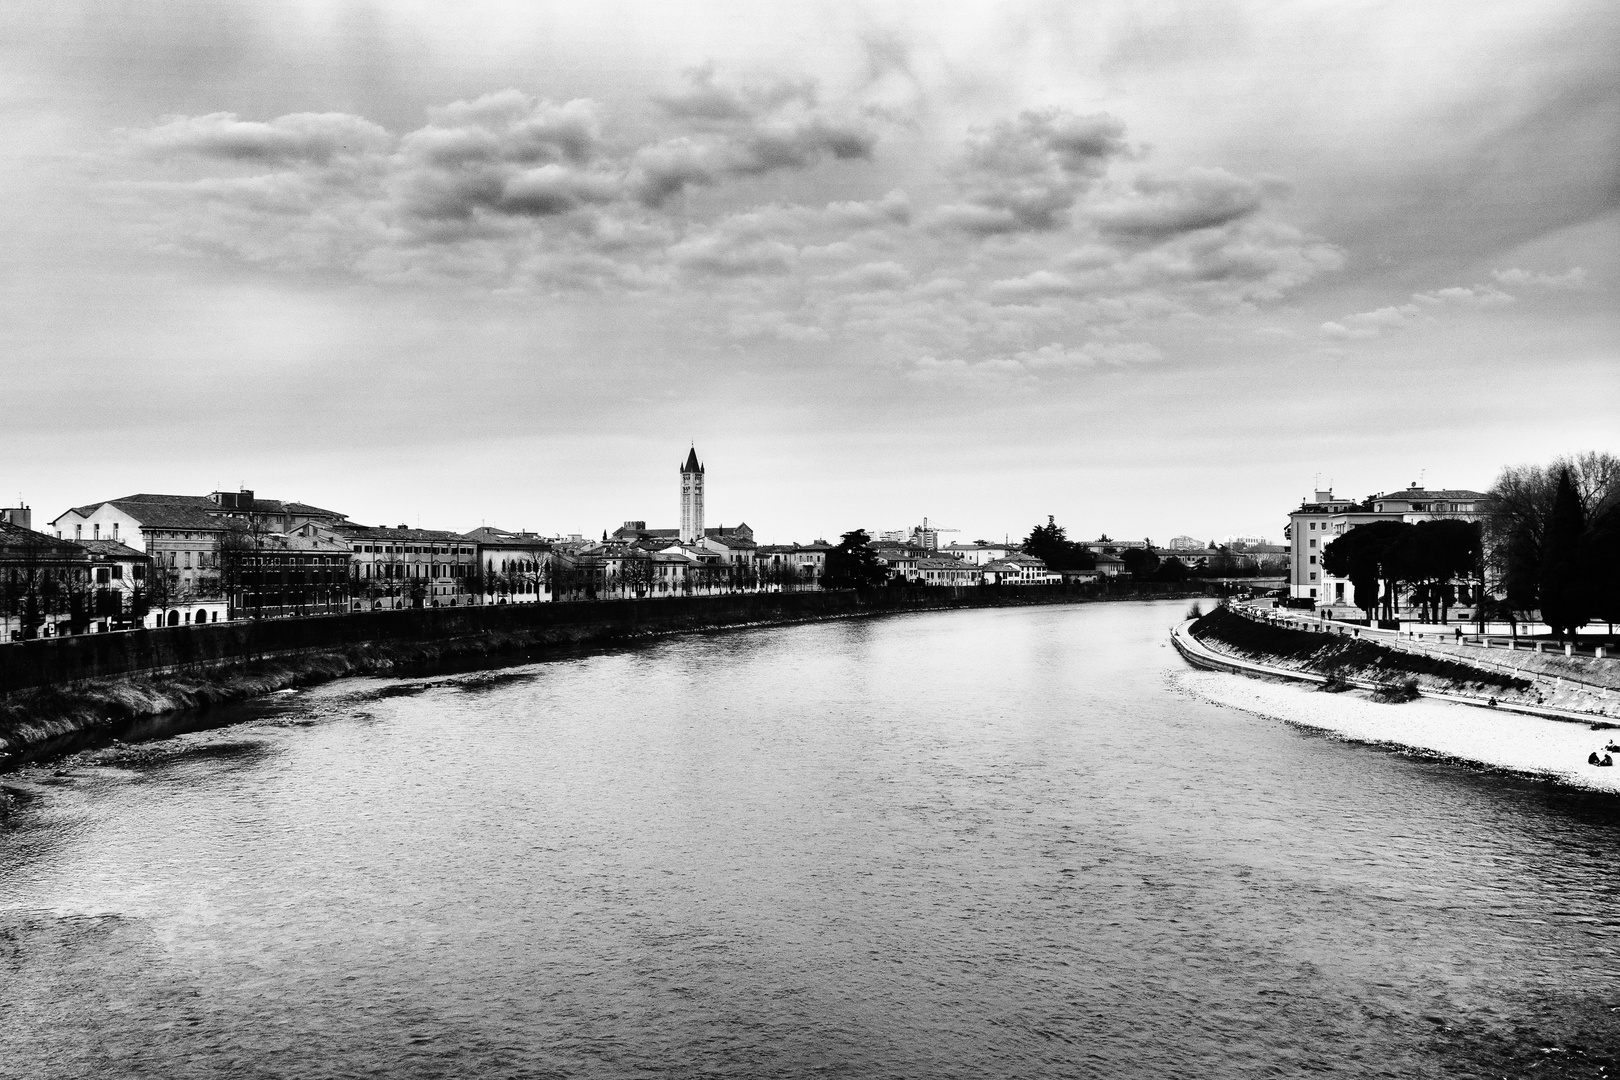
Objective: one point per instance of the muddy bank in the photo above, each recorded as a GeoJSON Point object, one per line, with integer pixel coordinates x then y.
{"type": "Point", "coordinates": [47, 721]}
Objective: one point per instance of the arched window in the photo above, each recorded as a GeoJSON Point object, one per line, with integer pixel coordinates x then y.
{"type": "Point", "coordinates": [174, 618]}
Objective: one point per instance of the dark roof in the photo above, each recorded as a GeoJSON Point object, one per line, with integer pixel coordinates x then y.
{"type": "Point", "coordinates": [112, 549]}
{"type": "Point", "coordinates": [494, 537]}
{"type": "Point", "coordinates": [168, 511]}
{"type": "Point", "coordinates": [164, 511]}
{"type": "Point", "coordinates": [1424, 494]}
{"type": "Point", "coordinates": [692, 462]}
{"type": "Point", "coordinates": [626, 534]}
{"type": "Point", "coordinates": [736, 542]}
{"type": "Point", "coordinates": [382, 532]}
{"type": "Point", "coordinates": [299, 542]}
{"type": "Point", "coordinates": [17, 542]}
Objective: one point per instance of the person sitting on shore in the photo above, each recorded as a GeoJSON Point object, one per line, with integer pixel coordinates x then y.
{"type": "Point", "coordinates": [1592, 759]}
{"type": "Point", "coordinates": [1607, 760]}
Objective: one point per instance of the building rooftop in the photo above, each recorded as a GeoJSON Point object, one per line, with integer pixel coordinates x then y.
{"type": "Point", "coordinates": [489, 535]}
{"type": "Point", "coordinates": [1417, 494]}
{"type": "Point", "coordinates": [401, 532]}
{"type": "Point", "coordinates": [17, 542]}
{"type": "Point", "coordinates": [197, 511]}
{"type": "Point", "coordinates": [111, 549]}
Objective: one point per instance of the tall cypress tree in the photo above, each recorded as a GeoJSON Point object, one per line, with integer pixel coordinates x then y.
{"type": "Point", "coordinates": [1565, 598]}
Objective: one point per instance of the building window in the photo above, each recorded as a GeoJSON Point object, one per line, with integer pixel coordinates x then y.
{"type": "Point", "coordinates": [95, 531]}
{"type": "Point", "coordinates": [1313, 578]}
{"type": "Point", "coordinates": [1313, 525]}
{"type": "Point", "coordinates": [1313, 560]}
{"type": "Point", "coordinates": [78, 532]}
{"type": "Point", "coordinates": [1313, 541]}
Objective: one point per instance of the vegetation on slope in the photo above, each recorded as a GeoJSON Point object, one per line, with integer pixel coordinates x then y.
{"type": "Point", "coordinates": [1342, 657]}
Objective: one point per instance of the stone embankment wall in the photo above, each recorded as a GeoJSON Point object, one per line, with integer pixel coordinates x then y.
{"type": "Point", "coordinates": [63, 661]}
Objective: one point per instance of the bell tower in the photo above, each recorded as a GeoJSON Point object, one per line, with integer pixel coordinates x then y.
{"type": "Point", "coordinates": [691, 499]}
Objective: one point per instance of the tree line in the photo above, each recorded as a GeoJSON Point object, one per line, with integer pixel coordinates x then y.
{"type": "Point", "coordinates": [1552, 539]}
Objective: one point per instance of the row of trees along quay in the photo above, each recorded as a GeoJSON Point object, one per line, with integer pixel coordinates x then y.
{"type": "Point", "coordinates": [1549, 547]}
{"type": "Point", "coordinates": [637, 573]}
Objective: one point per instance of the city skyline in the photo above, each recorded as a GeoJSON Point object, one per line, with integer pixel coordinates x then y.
{"type": "Point", "coordinates": [1144, 271]}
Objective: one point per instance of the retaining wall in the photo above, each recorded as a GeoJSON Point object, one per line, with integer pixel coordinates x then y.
{"type": "Point", "coordinates": [56, 661]}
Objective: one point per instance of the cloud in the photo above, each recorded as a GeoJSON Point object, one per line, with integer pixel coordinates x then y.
{"type": "Point", "coordinates": [1027, 365]}
{"type": "Point", "coordinates": [508, 126]}
{"type": "Point", "coordinates": [1371, 324]}
{"type": "Point", "coordinates": [1158, 207]}
{"type": "Point", "coordinates": [503, 154]}
{"type": "Point", "coordinates": [774, 324]}
{"type": "Point", "coordinates": [294, 139]}
{"type": "Point", "coordinates": [1475, 296]}
{"type": "Point", "coordinates": [1574, 278]}
{"type": "Point", "coordinates": [1024, 175]}
{"type": "Point", "coordinates": [1116, 353]}
{"type": "Point", "coordinates": [725, 255]}
{"type": "Point", "coordinates": [663, 171]}
{"type": "Point", "coordinates": [706, 99]}
{"type": "Point", "coordinates": [1032, 243]}
{"type": "Point", "coordinates": [1368, 324]}
{"type": "Point", "coordinates": [868, 276]}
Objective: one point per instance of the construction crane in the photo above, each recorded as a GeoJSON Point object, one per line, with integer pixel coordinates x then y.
{"type": "Point", "coordinates": [929, 537]}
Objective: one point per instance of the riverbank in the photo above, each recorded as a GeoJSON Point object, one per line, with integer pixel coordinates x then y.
{"type": "Point", "coordinates": [1343, 688]}
{"type": "Point", "coordinates": [40, 722]}
{"type": "Point", "coordinates": [1394, 667]}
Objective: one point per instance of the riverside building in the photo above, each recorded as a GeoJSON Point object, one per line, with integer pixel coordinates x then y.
{"type": "Point", "coordinates": [402, 567]}
{"type": "Point", "coordinates": [1325, 518]}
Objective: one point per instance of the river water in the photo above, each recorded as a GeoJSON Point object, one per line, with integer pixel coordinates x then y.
{"type": "Point", "coordinates": [996, 843]}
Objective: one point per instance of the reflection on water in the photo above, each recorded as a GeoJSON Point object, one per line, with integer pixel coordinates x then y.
{"type": "Point", "coordinates": [987, 843]}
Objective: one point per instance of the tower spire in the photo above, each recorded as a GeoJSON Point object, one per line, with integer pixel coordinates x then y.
{"type": "Point", "coordinates": [691, 498]}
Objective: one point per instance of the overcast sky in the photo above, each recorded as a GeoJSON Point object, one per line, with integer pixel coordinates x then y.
{"type": "Point", "coordinates": [1150, 268]}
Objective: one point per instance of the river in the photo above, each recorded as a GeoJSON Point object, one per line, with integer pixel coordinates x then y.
{"type": "Point", "coordinates": [990, 843]}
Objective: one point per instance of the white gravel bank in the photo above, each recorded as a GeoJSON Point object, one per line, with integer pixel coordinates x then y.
{"type": "Point", "coordinates": [1525, 744]}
